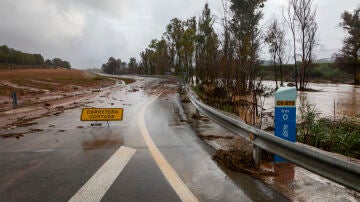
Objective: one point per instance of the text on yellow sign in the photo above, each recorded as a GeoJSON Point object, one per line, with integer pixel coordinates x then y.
{"type": "Point", "coordinates": [102, 114]}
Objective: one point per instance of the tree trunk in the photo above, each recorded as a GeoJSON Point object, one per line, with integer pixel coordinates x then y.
{"type": "Point", "coordinates": [281, 74]}
{"type": "Point", "coordinates": [356, 75]}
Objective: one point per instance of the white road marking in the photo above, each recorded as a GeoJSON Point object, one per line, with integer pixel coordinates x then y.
{"type": "Point", "coordinates": [172, 177]}
{"type": "Point", "coordinates": [96, 187]}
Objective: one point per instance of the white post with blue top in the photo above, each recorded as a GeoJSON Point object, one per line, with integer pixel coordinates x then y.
{"type": "Point", "coordinates": [285, 115]}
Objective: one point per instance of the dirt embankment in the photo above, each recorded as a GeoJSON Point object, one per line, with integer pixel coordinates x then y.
{"type": "Point", "coordinates": [43, 92]}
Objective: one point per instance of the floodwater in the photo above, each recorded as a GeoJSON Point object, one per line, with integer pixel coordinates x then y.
{"type": "Point", "coordinates": [328, 99]}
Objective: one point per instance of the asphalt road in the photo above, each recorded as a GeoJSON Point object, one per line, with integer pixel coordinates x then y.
{"type": "Point", "coordinates": [151, 155]}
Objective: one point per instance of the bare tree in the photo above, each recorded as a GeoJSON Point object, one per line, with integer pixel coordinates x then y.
{"type": "Point", "coordinates": [275, 38]}
{"type": "Point", "coordinates": [304, 16]}
{"type": "Point", "coordinates": [282, 43]}
{"type": "Point", "coordinates": [290, 19]}
{"type": "Point", "coordinates": [227, 63]}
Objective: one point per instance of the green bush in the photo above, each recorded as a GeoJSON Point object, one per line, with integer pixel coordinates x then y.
{"type": "Point", "coordinates": [325, 71]}
{"type": "Point", "coordinates": [340, 136]}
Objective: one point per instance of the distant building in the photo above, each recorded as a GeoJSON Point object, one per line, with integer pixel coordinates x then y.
{"type": "Point", "coordinates": [324, 60]}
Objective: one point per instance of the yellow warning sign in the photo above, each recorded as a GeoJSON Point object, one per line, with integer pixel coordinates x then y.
{"type": "Point", "coordinates": [285, 103]}
{"type": "Point", "coordinates": [102, 114]}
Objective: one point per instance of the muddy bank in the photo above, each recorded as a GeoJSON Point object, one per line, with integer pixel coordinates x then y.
{"type": "Point", "coordinates": [25, 116]}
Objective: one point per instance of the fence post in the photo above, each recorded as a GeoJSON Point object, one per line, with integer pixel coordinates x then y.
{"type": "Point", "coordinates": [14, 99]}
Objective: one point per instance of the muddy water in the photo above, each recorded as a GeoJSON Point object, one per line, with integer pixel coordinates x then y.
{"type": "Point", "coordinates": [344, 98]}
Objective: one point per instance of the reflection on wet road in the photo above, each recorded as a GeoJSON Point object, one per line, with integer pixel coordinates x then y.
{"type": "Point", "coordinates": [172, 177]}
{"type": "Point", "coordinates": [56, 161]}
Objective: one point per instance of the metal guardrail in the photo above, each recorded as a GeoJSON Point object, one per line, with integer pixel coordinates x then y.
{"type": "Point", "coordinates": [312, 159]}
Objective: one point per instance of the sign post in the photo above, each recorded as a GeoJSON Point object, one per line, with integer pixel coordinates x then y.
{"type": "Point", "coordinates": [285, 115]}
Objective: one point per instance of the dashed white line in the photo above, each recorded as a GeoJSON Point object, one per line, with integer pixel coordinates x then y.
{"type": "Point", "coordinates": [96, 187]}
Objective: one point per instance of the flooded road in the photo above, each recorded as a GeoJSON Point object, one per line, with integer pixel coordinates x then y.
{"type": "Point", "coordinates": [344, 98]}
{"type": "Point", "coordinates": [58, 155]}
{"type": "Point", "coordinates": [55, 156]}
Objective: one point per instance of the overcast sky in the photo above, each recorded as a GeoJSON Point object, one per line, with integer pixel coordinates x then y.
{"type": "Point", "coordinates": [88, 32]}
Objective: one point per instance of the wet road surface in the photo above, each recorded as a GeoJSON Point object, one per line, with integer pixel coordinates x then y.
{"type": "Point", "coordinates": [55, 161]}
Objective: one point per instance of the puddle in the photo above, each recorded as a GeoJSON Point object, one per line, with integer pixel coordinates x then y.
{"type": "Point", "coordinates": [99, 130]}
{"type": "Point", "coordinates": [298, 184]}
{"type": "Point", "coordinates": [101, 144]}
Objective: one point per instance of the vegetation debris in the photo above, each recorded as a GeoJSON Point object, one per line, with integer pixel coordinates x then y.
{"type": "Point", "coordinates": [15, 135]}
{"type": "Point", "coordinates": [236, 160]}
{"type": "Point", "coordinates": [21, 134]}
{"type": "Point", "coordinates": [212, 137]}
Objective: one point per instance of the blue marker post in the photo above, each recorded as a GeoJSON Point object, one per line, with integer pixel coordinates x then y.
{"type": "Point", "coordinates": [285, 115]}
{"type": "Point", "coordinates": [14, 99]}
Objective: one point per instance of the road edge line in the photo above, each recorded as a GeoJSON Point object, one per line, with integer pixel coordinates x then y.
{"type": "Point", "coordinates": [168, 171]}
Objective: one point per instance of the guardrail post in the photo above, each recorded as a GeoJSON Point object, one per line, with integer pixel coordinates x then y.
{"type": "Point", "coordinates": [257, 156]}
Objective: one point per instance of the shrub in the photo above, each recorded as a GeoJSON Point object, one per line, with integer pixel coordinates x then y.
{"type": "Point", "coordinates": [340, 136]}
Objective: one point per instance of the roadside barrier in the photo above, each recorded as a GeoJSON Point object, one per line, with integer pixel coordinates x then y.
{"type": "Point", "coordinates": [310, 158]}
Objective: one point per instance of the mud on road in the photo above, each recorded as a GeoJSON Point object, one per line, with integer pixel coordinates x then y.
{"type": "Point", "coordinates": [45, 105]}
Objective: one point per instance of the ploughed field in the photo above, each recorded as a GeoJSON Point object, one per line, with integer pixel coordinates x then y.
{"type": "Point", "coordinates": [41, 85]}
